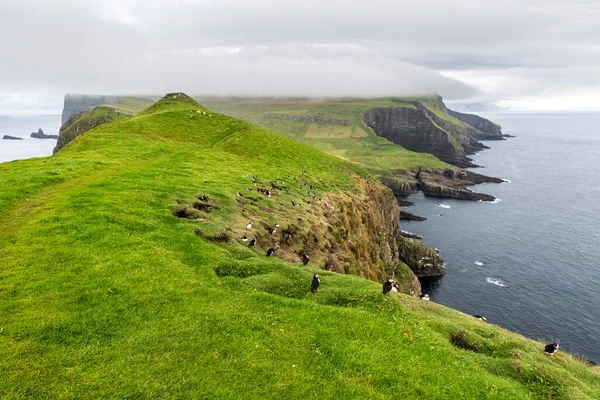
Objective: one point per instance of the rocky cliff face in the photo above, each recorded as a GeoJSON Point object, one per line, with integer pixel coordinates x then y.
{"type": "Point", "coordinates": [76, 103]}
{"type": "Point", "coordinates": [486, 129]}
{"type": "Point", "coordinates": [452, 183]}
{"type": "Point", "coordinates": [429, 127]}
{"type": "Point", "coordinates": [416, 130]}
{"type": "Point", "coordinates": [82, 122]}
{"type": "Point", "coordinates": [346, 234]}
{"type": "Point", "coordinates": [422, 260]}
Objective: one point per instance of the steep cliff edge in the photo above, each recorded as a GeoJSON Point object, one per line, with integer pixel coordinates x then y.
{"type": "Point", "coordinates": [416, 130]}
{"type": "Point", "coordinates": [422, 260]}
{"type": "Point", "coordinates": [452, 183]}
{"type": "Point", "coordinates": [85, 121]}
{"type": "Point", "coordinates": [76, 103]}
{"type": "Point", "coordinates": [428, 126]}
{"type": "Point", "coordinates": [486, 129]}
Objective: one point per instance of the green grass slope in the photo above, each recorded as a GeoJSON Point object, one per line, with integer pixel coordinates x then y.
{"type": "Point", "coordinates": [334, 126]}
{"type": "Point", "coordinates": [80, 123]}
{"type": "Point", "coordinates": [104, 293]}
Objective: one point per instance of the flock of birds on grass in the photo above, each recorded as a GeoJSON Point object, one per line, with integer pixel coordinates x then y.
{"type": "Point", "coordinates": [389, 285]}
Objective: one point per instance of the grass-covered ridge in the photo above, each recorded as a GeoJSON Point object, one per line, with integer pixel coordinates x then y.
{"type": "Point", "coordinates": [335, 126]}
{"type": "Point", "coordinates": [105, 293]}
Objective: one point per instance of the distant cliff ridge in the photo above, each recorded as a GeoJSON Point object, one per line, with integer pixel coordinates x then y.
{"type": "Point", "coordinates": [76, 103]}
{"type": "Point", "coordinates": [427, 126]}
{"type": "Point", "coordinates": [84, 121]}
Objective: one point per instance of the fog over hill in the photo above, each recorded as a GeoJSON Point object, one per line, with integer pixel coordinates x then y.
{"type": "Point", "coordinates": [527, 54]}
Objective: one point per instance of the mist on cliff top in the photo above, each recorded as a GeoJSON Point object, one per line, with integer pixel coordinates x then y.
{"type": "Point", "coordinates": [498, 51]}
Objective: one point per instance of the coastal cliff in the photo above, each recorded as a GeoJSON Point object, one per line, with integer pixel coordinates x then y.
{"type": "Point", "coordinates": [146, 262]}
{"type": "Point", "coordinates": [85, 121]}
{"type": "Point", "coordinates": [76, 103]}
{"type": "Point", "coordinates": [428, 126]}
{"type": "Point", "coordinates": [416, 130]}
{"type": "Point", "coordinates": [421, 259]}
{"type": "Point", "coordinates": [485, 129]}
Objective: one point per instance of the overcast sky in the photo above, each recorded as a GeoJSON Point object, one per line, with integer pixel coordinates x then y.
{"type": "Point", "coordinates": [526, 54]}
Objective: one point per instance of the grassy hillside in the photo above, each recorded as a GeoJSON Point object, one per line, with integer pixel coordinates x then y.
{"type": "Point", "coordinates": [333, 126]}
{"type": "Point", "coordinates": [105, 293]}
{"type": "Point", "coordinates": [85, 121]}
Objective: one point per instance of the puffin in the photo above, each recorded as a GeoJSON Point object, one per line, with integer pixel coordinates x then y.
{"type": "Point", "coordinates": [274, 231]}
{"type": "Point", "coordinates": [252, 243]}
{"type": "Point", "coordinates": [551, 349]}
{"type": "Point", "coordinates": [276, 226]}
{"type": "Point", "coordinates": [305, 259]}
{"type": "Point", "coordinates": [425, 297]}
{"type": "Point", "coordinates": [249, 225]}
{"type": "Point", "coordinates": [270, 252]}
{"type": "Point", "coordinates": [388, 285]}
{"type": "Point", "coordinates": [239, 194]}
{"type": "Point", "coordinates": [395, 287]}
{"type": "Point", "coordinates": [316, 282]}
{"type": "Point", "coordinates": [484, 319]}
{"type": "Point", "coordinates": [244, 238]}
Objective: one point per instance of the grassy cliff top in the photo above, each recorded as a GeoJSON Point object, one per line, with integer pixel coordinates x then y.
{"type": "Point", "coordinates": [334, 126]}
{"type": "Point", "coordinates": [104, 293]}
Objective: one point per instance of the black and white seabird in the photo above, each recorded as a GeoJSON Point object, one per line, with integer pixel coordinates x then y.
{"type": "Point", "coordinates": [305, 259]}
{"type": "Point", "coordinates": [244, 238]}
{"type": "Point", "coordinates": [395, 287]}
{"type": "Point", "coordinates": [316, 282]}
{"type": "Point", "coordinates": [270, 252]}
{"type": "Point", "coordinates": [481, 317]}
{"type": "Point", "coordinates": [249, 225]}
{"type": "Point", "coordinates": [388, 285]}
{"type": "Point", "coordinates": [252, 242]}
{"type": "Point", "coordinates": [274, 231]}
{"type": "Point", "coordinates": [239, 194]}
{"type": "Point", "coordinates": [425, 297]}
{"type": "Point", "coordinates": [551, 349]}
{"type": "Point", "coordinates": [276, 225]}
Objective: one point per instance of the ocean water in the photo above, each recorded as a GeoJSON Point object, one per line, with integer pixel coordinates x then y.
{"type": "Point", "coordinates": [21, 125]}
{"type": "Point", "coordinates": [528, 262]}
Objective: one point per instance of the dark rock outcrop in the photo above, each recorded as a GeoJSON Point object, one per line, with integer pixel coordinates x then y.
{"type": "Point", "coordinates": [41, 135]}
{"type": "Point", "coordinates": [406, 216]}
{"type": "Point", "coordinates": [409, 235]}
{"type": "Point", "coordinates": [451, 183]}
{"type": "Point", "coordinates": [404, 186]}
{"type": "Point", "coordinates": [422, 260]}
{"type": "Point", "coordinates": [8, 137]}
{"type": "Point", "coordinates": [404, 202]}
{"type": "Point", "coordinates": [487, 130]}
{"type": "Point", "coordinates": [76, 103]}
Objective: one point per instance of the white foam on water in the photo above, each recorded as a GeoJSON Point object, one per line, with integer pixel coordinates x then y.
{"type": "Point", "coordinates": [496, 281]}
{"type": "Point", "coordinates": [495, 201]}
{"type": "Point", "coordinates": [480, 263]}
{"type": "Point", "coordinates": [506, 180]}
{"type": "Point", "coordinates": [444, 205]}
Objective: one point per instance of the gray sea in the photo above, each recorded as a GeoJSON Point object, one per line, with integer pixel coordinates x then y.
{"type": "Point", "coordinates": [20, 124]}
{"type": "Point", "coordinates": [529, 262]}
